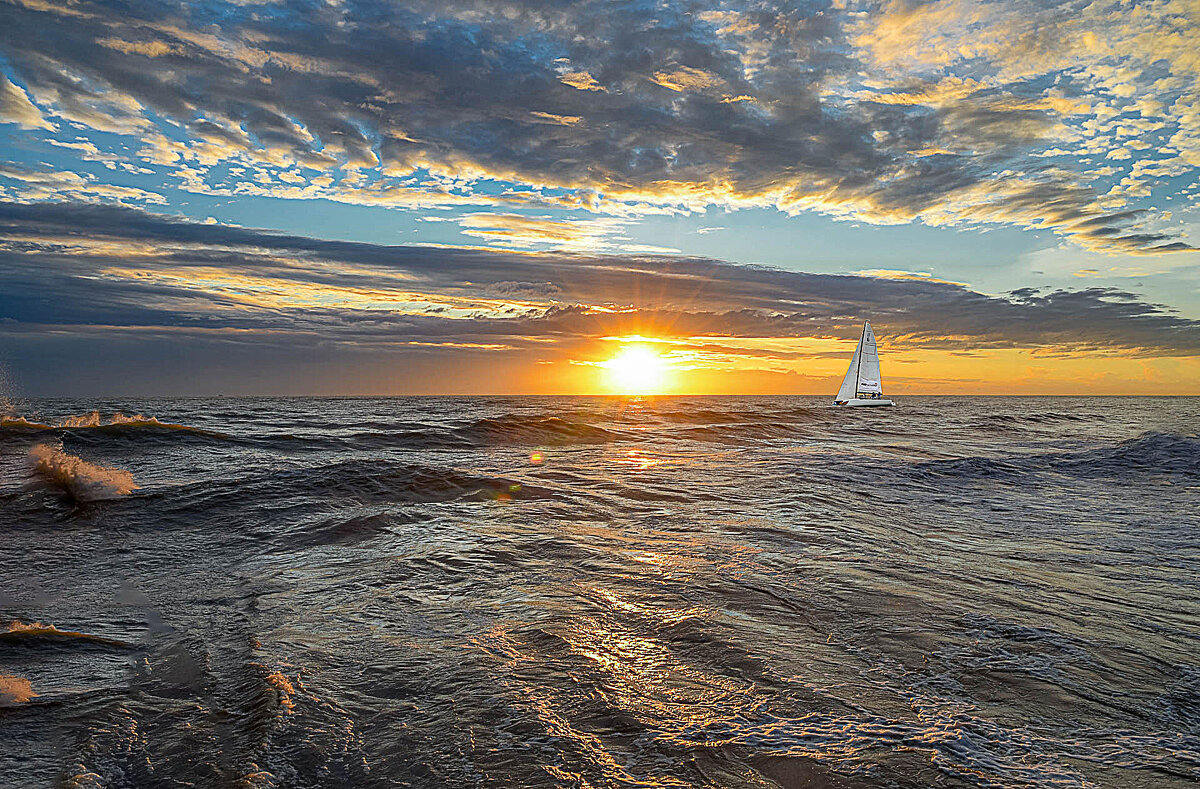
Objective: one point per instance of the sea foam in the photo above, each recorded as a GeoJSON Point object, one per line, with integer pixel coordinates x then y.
{"type": "Point", "coordinates": [82, 480]}
{"type": "Point", "coordinates": [91, 419]}
{"type": "Point", "coordinates": [14, 690]}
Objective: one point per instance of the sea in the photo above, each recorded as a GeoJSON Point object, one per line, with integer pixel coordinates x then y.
{"type": "Point", "coordinates": [600, 592]}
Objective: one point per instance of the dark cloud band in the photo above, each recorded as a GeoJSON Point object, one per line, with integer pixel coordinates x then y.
{"type": "Point", "coordinates": [75, 266]}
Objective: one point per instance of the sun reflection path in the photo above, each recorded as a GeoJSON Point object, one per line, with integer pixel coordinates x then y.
{"type": "Point", "coordinates": [638, 459]}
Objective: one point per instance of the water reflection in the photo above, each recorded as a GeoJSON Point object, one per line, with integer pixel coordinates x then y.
{"type": "Point", "coordinates": [638, 460]}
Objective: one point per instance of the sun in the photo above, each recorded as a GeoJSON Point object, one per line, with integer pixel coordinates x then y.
{"type": "Point", "coordinates": [637, 369]}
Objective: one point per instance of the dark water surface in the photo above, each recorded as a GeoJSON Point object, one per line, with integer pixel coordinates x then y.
{"type": "Point", "coordinates": [716, 592]}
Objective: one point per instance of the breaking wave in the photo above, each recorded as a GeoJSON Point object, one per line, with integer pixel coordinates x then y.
{"type": "Point", "coordinates": [22, 632]}
{"type": "Point", "coordinates": [92, 419]}
{"type": "Point", "coordinates": [81, 480]}
{"type": "Point", "coordinates": [14, 690]}
{"type": "Point", "coordinates": [93, 428]}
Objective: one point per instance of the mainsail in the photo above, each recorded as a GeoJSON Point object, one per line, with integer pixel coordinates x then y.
{"type": "Point", "coordinates": [862, 379]}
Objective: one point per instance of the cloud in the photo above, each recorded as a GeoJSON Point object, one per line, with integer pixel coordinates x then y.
{"type": "Point", "coordinates": [685, 78]}
{"type": "Point", "coordinates": [520, 230]}
{"type": "Point", "coordinates": [580, 80]}
{"type": "Point", "coordinates": [890, 112]}
{"type": "Point", "coordinates": [526, 231]}
{"type": "Point", "coordinates": [922, 276]}
{"type": "Point", "coordinates": [67, 185]}
{"type": "Point", "coordinates": [88, 269]}
{"type": "Point", "coordinates": [561, 120]}
{"type": "Point", "coordinates": [15, 107]}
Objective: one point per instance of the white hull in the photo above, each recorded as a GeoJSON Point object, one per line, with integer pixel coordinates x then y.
{"type": "Point", "coordinates": [856, 402]}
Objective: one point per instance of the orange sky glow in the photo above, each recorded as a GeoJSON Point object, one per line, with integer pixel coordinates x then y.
{"type": "Point", "coordinates": [690, 369]}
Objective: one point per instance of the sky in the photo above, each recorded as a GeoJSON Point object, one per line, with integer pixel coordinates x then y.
{"type": "Point", "coordinates": [365, 197]}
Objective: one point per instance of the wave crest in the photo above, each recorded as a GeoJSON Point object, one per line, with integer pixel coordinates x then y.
{"type": "Point", "coordinates": [81, 480]}
{"type": "Point", "coordinates": [14, 690]}
{"type": "Point", "coordinates": [43, 633]}
{"type": "Point", "coordinates": [90, 420]}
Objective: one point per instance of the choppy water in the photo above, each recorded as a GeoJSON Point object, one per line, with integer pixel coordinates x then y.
{"type": "Point", "coordinates": [713, 592]}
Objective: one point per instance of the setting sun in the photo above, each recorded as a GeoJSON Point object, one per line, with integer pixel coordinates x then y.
{"type": "Point", "coordinates": [637, 369]}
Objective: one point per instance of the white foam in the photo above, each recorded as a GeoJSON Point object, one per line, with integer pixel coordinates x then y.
{"type": "Point", "coordinates": [14, 690]}
{"type": "Point", "coordinates": [84, 481]}
{"type": "Point", "coordinates": [90, 419]}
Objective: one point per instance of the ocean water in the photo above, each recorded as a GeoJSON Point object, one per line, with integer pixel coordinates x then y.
{"type": "Point", "coordinates": [592, 592]}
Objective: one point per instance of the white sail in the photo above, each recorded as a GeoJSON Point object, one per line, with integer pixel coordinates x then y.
{"type": "Point", "coordinates": [869, 381]}
{"type": "Point", "coordinates": [862, 378]}
{"type": "Point", "coordinates": [850, 382]}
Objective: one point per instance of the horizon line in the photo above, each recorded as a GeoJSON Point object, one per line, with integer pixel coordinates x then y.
{"type": "Point", "coordinates": [609, 396]}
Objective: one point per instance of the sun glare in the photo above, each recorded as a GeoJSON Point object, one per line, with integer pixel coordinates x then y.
{"type": "Point", "coordinates": [637, 369]}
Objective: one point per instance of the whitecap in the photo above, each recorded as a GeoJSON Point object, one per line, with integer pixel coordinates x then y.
{"type": "Point", "coordinates": [82, 480]}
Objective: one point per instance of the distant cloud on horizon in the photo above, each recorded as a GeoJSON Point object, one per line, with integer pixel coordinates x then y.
{"type": "Point", "coordinates": [123, 271]}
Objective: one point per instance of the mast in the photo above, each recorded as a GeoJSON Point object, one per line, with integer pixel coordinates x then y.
{"type": "Point", "coordinates": [858, 370]}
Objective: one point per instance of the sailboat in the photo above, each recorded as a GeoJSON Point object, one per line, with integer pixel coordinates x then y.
{"type": "Point", "coordinates": [862, 384]}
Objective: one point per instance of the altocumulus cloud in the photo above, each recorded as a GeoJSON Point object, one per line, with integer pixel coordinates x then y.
{"type": "Point", "coordinates": [947, 112]}
{"type": "Point", "coordinates": [87, 272]}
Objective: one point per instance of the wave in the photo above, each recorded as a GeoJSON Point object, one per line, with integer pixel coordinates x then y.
{"type": "Point", "coordinates": [14, 690]}
{"type": "Point", "coordinates": [375, 481]}
{"type": "Point", "coordinates": [284, 690]}
{"type": "Point", "coordinates": [290, 736]}
{"type": "Point", "coordinates": [1033, 422]}
{"type": "Point", "coordinates": [1036, 417]}
{"type": "Point", "coordinates": [1151, 452]}
{"type": "Point", "coordinates": [92, 419]}
{"type": "Point", "coordinates": [21, 632]}
{"type": "Point", "coordinates": [513, 429]}
{"type": "Point", "coordinates": [359, 481]}
{"type": "Point", "coordinates": [342, 530]}
{"type": "Point", "coordinates": [93, 425]}
{"type": "Point", "coordinates": [81, 480]}
{"type": "Point", "coordinates": [713, 417]}
{"type": "Point", "coordinates": [509, 430]}
{"type": "Point", "coordinates": [740, 432]}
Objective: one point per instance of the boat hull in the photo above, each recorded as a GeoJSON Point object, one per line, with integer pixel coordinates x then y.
{"type": "Point", "coordinates": [857, 403]}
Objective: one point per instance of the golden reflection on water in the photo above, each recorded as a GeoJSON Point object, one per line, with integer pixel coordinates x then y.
{"type": "Point", "coordinates": [638, 459]}
{"type": "Point", "coordinates": [578, 751]}
{"type": "Point", "coordinates": [638, 670]}
{"type": "Point", "coordinates": [627, 658]}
